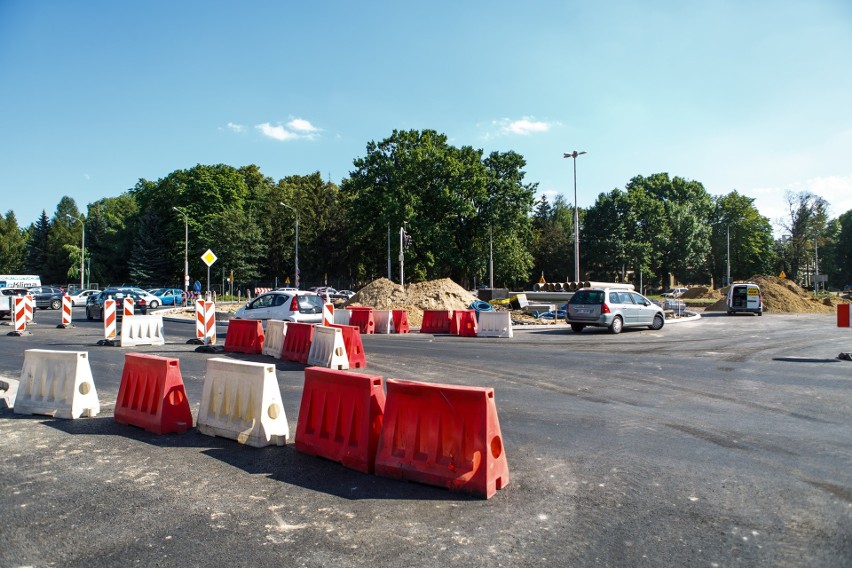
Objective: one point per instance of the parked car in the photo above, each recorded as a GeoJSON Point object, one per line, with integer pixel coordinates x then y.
{"type": "Point", "coordinates": [95, 303]}
{"type": "Point", "coordinates": [288, 306]}
{"type": "Point", "coordinates": [744, 298]}
{"type": "Point", "coordinates": [613, 308]}
{"type": "Point", "coordinates": [47, 297]}
{"type": "Point", "coordinates": [80, 298]}
{"type": "Point", "coordinates": [169, 296]}
{"type": "Point", "coordinates": [7, 297]}
{"type": "Point", "coordinates": [674, 293]}
{"type": "Point", "coordinates": [347, 293]}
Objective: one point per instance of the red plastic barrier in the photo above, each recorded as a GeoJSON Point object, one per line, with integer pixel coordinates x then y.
{"type": "Point", "coordinates": [353, 345]}
{"type": "Point", "coordinates": [340, 417]}
{"type": "Point", "coordinates": [436, 321]}
{"type": "Point", "coordinates": [244, 336]}
{"type": "Point", "coordinates": [442, 435]}
{"type": "Point", "coordinates": [297, 342]}
{"type": "Point", "coordinates": [362, 318]}
{"type": "Point", "coordinates": [843, 315]}
{"type": "Point", "coordinates": [400, 321]}
{"type": "Point", "coordinates": [152, 395]}
{"type": "Point", "coordinates": [463, 322]}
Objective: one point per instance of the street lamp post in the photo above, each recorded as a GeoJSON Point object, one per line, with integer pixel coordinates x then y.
{"type": "Point", "coordinates": [574, 155]}
{"type": "Point", "coordinates": [728, 276]}
{"type": "Point", "coordinates": [297, 240]}
{"type": "Point", "coordinates": [82, 251]}
{"type": "Point", "coordinates": [185, 251]}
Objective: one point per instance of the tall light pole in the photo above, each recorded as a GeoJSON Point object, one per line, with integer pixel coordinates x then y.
{"type": "Point", "coordinates": [185, 250]}
{"type": "Point", "coordinates": [82, 251]}
{"type": "Point", "coordinates": [297, 240]}
{"type": "Point", "coordinates": [728, 277]}
{"type": "Point", "coordinates": [574, 155]}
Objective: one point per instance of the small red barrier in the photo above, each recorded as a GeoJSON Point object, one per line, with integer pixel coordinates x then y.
{"type": "Point", "coordinates": [442, 435]}
{"type": "Point", "coordinates": [340, 417]}
{"type": "Point", "coordinates": [152, 395]}
{"type": "Point", "coordinates": [463, 322]}
{"type": "Point", "coordinates": [362, 318]}
{"type": "Point", "coordinates": [843, 315]}
{"type": "Point", "coordinates": [436, 321]}
{"type": "Point", "coordinates": [400, 321]}
{"type": "Point", "coordinates": [353, 345]}
{"type": "Point", "coordinates": [297, 342]}
{"type": "Point", "coordinates": [244, 336]}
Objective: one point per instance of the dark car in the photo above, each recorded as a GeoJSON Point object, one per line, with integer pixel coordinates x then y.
{"type": "Point", "coordinates": [95, 303]}
{"type": "Point", "coordinates": [47, 297]}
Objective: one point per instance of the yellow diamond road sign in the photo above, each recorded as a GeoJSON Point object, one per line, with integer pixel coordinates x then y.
{"type": "Point", "coordinates": [208, 257]}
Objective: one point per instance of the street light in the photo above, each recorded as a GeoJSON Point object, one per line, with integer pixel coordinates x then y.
{"type": "Point", "coordinates": [297, 240]}
{"type": "Point", "coordinates": [82, 251]}
{"type": "Point", "coordinates": [185, 250]}
{"type": "Point", "coordinates": [574, 155]}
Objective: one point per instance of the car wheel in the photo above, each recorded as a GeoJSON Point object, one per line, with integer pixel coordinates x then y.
{"type": "Point", "coordinates": [658, 322]}
{"type": "Point", "coordinates": [55, 304]}
{"type": "Point", "coordinates": [89, 315]}
{"type": "Point", "coordinates": [153, 305]}
{"type": "Point", "coordinates": [577, 327]}
{"type": "Point", "coordinates": [730, 313]}
{"type": "Point", "coordinates": [616, 325]}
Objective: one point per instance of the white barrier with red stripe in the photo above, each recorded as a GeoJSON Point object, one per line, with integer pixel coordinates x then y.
{"type": "Point", "coordinates": [66, 311]}
{"type": "Point", "coordinates": [30, 307]}
{"type": "Point", "coordinates": [327, 314]}
{"type": "Point", "coordinates": [199, 319]}
{"type": "Point", "coordinates": [209, 323]}
{"type": "Point", "coordinates": [19, 313]}
{"type": "Point", "coordinates": [109, 318]}
{"type": "Point", "coordinates": [127, 305]}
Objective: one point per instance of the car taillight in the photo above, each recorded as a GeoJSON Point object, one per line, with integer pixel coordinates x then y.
{"type": "Point", "coordinates": [604, 309]}
{"type": "Point", "coordinates": [141, 302]}
{"type": "Point", "coordinates": [294, 305]}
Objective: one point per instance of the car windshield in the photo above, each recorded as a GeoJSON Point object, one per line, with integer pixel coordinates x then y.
{"type": "Point", "coordinates": [310, 304]}
{"type": "Point", "coordinates": [587, 297]}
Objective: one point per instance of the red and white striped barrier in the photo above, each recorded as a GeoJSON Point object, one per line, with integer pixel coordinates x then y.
{"type": "Point", "coordinates": [209, 323]}
{"type": "Point", "coordinates": [66, 312]}
{"type": "Point", "coordinates": [127, 307]}
{"type": "Point", "coordinates": [109, 319]}
{"type": "Point", "coordinates": [199, 320]}
{"type": "Point", "coordinates": [327, 314]}
{"type": "Point", "coordinates": [19, 314]}
{"type": "Point", "coordinates": [30, 309]}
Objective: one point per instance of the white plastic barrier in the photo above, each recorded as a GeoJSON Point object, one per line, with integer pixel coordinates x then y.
{"type": "Point", "coordinates": [273, 339]}
{"type": "Point", "coordinates": [495, 324]}
{"type": "Point", "coordinates": [242, 401]}
{"type": "Point", "coordinates": [328, 349]}
{"type": "Point", "coordinates": [341, 317]}
{"type": "Point", "coordinates": [383, 320]}
{"type": "Point", "coordinates": [142, 330]}
{"type": "Point", "coordinates": [57, 383]}
{"type": "Point", "coordinates": [8, 392]}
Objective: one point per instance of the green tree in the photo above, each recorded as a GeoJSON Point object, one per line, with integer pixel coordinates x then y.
{"type": "Point", "coordinates": [148, 262]}
{"type": "Point", "coordinates": [806, 224]}
{"type": "Point", "coordinates": [843, 251]}
{"type": "Point", "coordinates": [110, 233]}
{"type": "Point", "coordinates": [553, 238]}
{"type": "Point", "coordinates": [737, 221]}
{"type": "Point", "coordinates": [13, 245]}
{"type": "Point", "coordinates": [39, 233]}
{"type": "Point", "coordinates": [607, 246]}
{"type": "Point", "coordinates": [64, 238]}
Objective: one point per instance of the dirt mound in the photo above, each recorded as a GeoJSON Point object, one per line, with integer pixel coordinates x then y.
{"type": "Point", "coordinates": [784, 296]}
{"type": "Point", "coordinates": [441, 294]}
{"type": "Point", "coordinates": [701, 293]}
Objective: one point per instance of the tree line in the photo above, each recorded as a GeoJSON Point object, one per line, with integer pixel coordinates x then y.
{"type": "Point", "coordinates": [462, 209]}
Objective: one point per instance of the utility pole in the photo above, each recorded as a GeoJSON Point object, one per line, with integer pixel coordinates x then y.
{"type": "Point", "coordinates": [401, 258]}
{"type": "Point", "coordinates": [574, 155]}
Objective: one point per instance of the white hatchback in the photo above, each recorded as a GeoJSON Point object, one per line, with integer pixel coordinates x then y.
{"type": "Point", "coordinates": [300, 307]}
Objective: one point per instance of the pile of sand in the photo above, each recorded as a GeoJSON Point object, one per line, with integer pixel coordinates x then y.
{"type": "Point", "coordinates": [701, 293]}
{"type": "Point", "coordinates": [443, 294]}
{"type": "Point", "coordinates": [785, 296]}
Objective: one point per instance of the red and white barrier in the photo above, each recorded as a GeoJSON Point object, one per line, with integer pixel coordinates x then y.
{"type": "Point", "coordinates": [199, 320]}
{"type": "Point", "coordinates": [209, 323]}
{"type": "Point", "coordinates": [327, 314]}
{"type": "Point", "coordinates": [30, 307]}
{"type": "Point", "coordinates": [109, 319]}
{"type": "Point", "coordinates": [66, 312]}
{"type": "Point", "coordinates": [127, 307]}
{"type": "Point", "coordinates": [19, 314]}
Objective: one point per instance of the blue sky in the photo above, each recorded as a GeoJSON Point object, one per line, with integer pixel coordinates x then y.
{"type": "Point", "coordinates": [747, 95]}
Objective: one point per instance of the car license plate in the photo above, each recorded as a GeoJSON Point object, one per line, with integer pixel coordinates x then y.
{"type": "Point", "coordinates": [582, 311]}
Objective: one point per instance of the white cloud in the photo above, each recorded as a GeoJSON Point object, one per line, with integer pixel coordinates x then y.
{"type": "Point", "coordinates": [295, 129]}
{"type": "Point", "coordinates": [772, 202]}
{"type": "Point", "coordinates": [239, 128]}
{"type": "Point", "coordinates": [302, 125]}
{"type": "Point", "coordinates": [520, 127]}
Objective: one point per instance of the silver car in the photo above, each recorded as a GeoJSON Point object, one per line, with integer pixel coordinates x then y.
{"type": "Point", "coordinates": [288, 306]}
{"type": "Point", "coordinates": [613, 308]}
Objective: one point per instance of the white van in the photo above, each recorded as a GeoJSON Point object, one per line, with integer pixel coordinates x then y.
{"type": "Point", "coordinates": [744, 298]}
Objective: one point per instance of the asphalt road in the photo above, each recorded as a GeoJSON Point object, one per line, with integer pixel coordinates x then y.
{"type": "Point", "coordinates": [722, 442]}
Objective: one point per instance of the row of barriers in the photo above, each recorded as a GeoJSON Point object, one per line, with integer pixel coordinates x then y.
{"type": "Point", "coordinates": [467, 323]}
{"type": "Point", "coordinates": [443, 435]}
